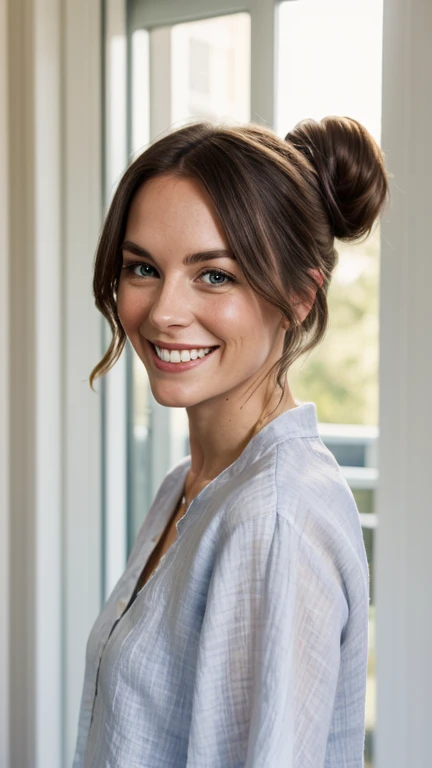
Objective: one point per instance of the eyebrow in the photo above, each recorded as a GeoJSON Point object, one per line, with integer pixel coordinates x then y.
{"type": "Point", "coordinates": [191, 258]}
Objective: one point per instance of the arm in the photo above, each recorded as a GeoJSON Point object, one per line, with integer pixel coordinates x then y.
{"type": "Point", "coordinates": [269, 652]}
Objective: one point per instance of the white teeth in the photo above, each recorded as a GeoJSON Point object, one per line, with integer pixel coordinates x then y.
{"type": "Point", "coordinates": [181, 355]}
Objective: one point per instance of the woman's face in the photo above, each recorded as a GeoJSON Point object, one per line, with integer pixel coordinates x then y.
{"type": "Point", "coordinates": [201, 331]}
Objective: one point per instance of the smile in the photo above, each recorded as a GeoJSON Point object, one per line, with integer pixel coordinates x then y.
{"type": "Point", "coordinates": [181, 355]}
{"type": "Point", "coordinates": [179, 360]}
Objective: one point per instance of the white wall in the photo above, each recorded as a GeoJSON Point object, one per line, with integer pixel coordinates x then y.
{"type": "Point", "coordinates": [403, 553]}
{"type": "Point", "coordinates": [22, 378]}
{"type": "Point", "coordinates": [50, 444]}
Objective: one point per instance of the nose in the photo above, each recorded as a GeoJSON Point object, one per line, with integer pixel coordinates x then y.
{"type": "Point", "coordinates": [172, 305]}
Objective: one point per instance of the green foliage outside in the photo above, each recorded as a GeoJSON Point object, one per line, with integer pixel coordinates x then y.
{"type": "Point", "coordinates": [341, 374]}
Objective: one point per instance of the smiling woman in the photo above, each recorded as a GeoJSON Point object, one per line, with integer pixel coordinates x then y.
{"type": "Point", "coordinates": [237, 635]}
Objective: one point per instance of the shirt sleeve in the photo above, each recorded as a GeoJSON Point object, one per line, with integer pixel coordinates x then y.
{"type": "Point", "coordinates": [269, 651]}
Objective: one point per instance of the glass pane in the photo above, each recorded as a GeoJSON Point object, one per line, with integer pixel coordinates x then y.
{"type": "Point", "coordinates": [194, 70]}
{"type": "Point", "coordinates": [210, 69]}
{"type": "Point", "coordinates": [140, 457]}
{"type": "Point", "coordinates": [140, 91]}
{"type": "Point", "coordinates": [329, 62]}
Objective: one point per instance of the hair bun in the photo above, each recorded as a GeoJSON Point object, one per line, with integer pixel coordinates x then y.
{"type": "Point", "coordinates": [350, 167]}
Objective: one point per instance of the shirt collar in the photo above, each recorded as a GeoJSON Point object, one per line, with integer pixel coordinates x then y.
{"type": "Point", "coordinates": [298, 422]}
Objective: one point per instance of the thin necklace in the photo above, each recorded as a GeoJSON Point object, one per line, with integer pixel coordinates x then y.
{"type": "Point", "coordinates": [184, 500]}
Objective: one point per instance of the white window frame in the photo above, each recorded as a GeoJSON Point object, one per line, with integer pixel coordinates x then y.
{"type": "Point", "coordinates": [4, 398]}
{"type": "Point", "coordinates": [82, 437]}
{"type": "Point", "coordinates": [159, 13]}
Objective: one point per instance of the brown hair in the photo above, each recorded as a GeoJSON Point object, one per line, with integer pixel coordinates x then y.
{"type": "Point", "coordinates": [281, 203]}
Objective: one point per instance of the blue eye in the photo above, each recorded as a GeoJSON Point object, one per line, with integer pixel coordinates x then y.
{"type": "Point", "coordinates": [216, 277]}
{"type": "Point", "coordinates": [140, 270]}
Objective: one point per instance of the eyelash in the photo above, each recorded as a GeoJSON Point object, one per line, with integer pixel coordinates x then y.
{"type": "Point", "coordinates": [130, 270]}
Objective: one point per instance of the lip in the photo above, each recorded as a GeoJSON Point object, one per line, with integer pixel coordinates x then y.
{"type": "Point", "coordinates": [161, 365]}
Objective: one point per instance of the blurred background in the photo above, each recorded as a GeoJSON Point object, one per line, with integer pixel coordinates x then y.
{"type": "Point", "coordinates": [84, 88]}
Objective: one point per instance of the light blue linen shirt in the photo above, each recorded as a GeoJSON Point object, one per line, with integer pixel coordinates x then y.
{"type": "Point", "coordinates": [247, 647]}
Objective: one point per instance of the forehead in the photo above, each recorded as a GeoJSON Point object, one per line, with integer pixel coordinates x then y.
{"type": "Point", "coordinates": [167, 207]}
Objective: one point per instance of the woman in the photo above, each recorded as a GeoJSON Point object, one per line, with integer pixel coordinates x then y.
{"type": "Point", "coordinates": [237, 635]}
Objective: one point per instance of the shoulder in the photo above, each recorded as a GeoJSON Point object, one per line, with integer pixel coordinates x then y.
{"type": "Point", "coordinates": [308, 478]}
{"type": "Point", "coordinates": [294, 476]}
{"type": "Point", "coordinates": [297, 497]}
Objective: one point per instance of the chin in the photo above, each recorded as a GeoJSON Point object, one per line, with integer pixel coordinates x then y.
{"type": "Point", "coordinates": [172, 399]}
{"type": "Point", "coordinates": [171, 402]}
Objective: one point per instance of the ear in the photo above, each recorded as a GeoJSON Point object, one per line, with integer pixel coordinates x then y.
{"type": "Point", "coordinates": [318, 277]}
{"type": "Point", "coordinates": [304, 307]}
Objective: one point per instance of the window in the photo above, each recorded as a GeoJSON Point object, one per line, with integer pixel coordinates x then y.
{"type": "Point", "coordinates": [222, 67]}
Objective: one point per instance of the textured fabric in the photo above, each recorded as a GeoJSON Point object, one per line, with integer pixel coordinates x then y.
{"type": "Point", "coordinates": [248, 645]}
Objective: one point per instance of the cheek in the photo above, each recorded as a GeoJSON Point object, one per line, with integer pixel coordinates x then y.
{"type": "Point", "coordinates": [230, 321]}
{"type": "Point", "coordinates": [247, 319]}
{"type": "Point", "coordinates": [122, 311]}
{"type": "Point", "coordinates": [245, 327]}
{"type": "Point", "coordinates": [225, 314]}
{"type": "Point", "coordinates": [130, 309]}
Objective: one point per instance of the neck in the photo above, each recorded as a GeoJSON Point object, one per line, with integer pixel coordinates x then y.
{"type": "Point", "coordinates": [219, 432]}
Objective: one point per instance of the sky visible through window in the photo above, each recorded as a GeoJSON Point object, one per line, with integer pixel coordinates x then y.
{"type": "Point", "coordinates": [329, 61]}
